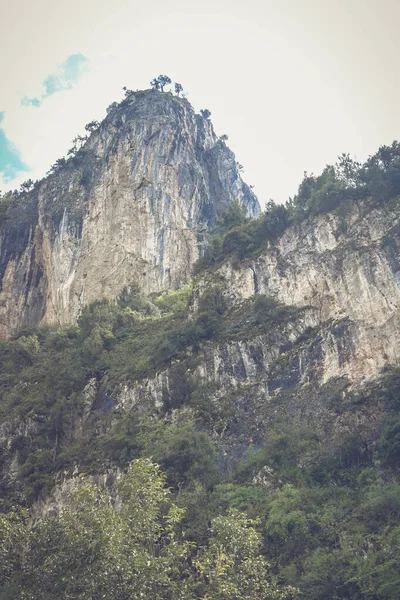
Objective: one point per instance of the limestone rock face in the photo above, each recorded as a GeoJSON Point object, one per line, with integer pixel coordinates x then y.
{"type": "Point", "coordinates": [347, 285]}
{"type": "Point", "coordinates": [133, 206]}
{"type": "Point", "coordinates": [349, 277]}
{"type": "Point", "coordinates": [344, 287]}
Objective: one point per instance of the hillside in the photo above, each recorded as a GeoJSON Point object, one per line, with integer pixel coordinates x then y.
{"type": "Point", "coordinates": [263, 378]}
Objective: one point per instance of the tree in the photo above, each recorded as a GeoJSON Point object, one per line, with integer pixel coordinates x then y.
{"type": "Point", "coordinates": [160, 82]}
{"type": "Point", "coordinates": [92, 126]}
{"type": "Point", "coordinates": [12, 540]}
{"type": "Point", "coordinates": [59, 164]}
{"type": "Point", "coordinates": [178, 88]}
{"type": "Point", "coordinates": [184, 454]}
{"type": "Point", "coordinates": [223, 138]}
{"type": "Point", "coordinates": [387, 155]}
{"type": "Point", "coordinates": [78, 142]}
{"type": "Point", "coordinates": [319, 195]}
{"type": "Point", "coordinates": [155, 84]}
{"type": "Point", "coordinates": [274, 220]}
{"type": "Point", "coordinates": [289, 525]}
{"type": "Point", "coordinates": [205, 113]}
{"type": "Point", "coordinates": [232, 567]}
{"type": "Point", "coordinates": [164, 80]}
{"type": "Point", "coordinates": [351, 173]}
{"type": "Point", "coordinates": [27, 185]}
{"type": "Point", "coordinates": [389, 444]}
{"type": "Point", "coordinates": [381, 173]}
{"type": "Point", "coordinates": [234, 215]}
{"type": "Point", "coordinates": [348, 170]}
{"type": "Point", "coordinates": [96, 548]}
{"type": "Point", "coordinates": [112, 107]}
{"type": "Point", "coordinates": [126, 91]}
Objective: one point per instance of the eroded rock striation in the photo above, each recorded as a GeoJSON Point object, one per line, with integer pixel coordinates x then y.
{"type": "Point", "coordinates": [348, 275]}
{"type": "Point", "coordinates": [132, 206]}
{"type": "Point", "coordinates": [342, 285]}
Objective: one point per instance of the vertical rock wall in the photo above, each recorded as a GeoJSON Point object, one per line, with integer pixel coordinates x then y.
{"type": "Point", "coordinates": [132, 207]}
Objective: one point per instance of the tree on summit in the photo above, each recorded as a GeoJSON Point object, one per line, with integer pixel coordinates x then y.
{"type": "Point", "coordinates": [178, 88]}
{"type": "Point", "coordinates": [205, 113]}
{"type": "Point", "coordinates": [127, 91]}
{"type": "Point", "coordinates": [164, 80]}
{"type": "Point", "coordinates": [158, 83]}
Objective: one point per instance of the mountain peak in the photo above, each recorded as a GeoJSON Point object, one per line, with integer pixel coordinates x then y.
{"type": "Point", "coordinates": [132, 205]}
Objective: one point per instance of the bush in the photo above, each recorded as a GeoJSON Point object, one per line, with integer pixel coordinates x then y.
{"type": "Point", "coordinates": [389, 443]}
{"type": "Point", "coordinates": [185, 454]}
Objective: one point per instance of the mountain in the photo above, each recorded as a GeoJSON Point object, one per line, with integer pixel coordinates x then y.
{"type": "Point", "coordinates": [259, 369]}
{"type": "Point", "coordinates": [131, 207]}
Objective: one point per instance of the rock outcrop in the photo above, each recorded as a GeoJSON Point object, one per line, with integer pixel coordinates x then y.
{"type": "Point", "coordinates": [345, 275]}
{"type": "Point", "coordinates": [344, 288]}
{"type": "Point", "coordinates": [132, 206]}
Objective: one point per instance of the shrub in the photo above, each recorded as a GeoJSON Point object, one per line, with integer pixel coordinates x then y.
{"type": "Point", "coordinates": [389, 443]}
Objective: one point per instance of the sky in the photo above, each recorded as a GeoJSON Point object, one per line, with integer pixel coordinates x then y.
{"type": "Point", "coordinates": [293, 83]}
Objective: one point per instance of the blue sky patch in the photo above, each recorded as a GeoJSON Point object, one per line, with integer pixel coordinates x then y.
{"type": "Point", "coordinates": [10, 163]}
{"type": "Point", "coordinates": [30, 101]}
{"type": "Point", "coordinates": [64, 78]}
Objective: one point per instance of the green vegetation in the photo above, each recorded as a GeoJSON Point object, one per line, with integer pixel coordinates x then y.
{"type": "Point", "coordinates": [327, 516]}
{"type": "Point", "coordinates": [297, 508]}
{"type": "Point", "coordinates": [205, 113]}
{"type": "Point", "coordinates": [338, 189]}
{"type": "Point", "coordinates": [158, 83]}
{"type": "Point", "coordinates": [295, 513]}
{"type": "Point", "coordinates": [44, 373]}
{"type": "Point", "coordinates": [132, 548]}
{"type": "Point", "coordinates": [178, 88]}
{"type": "Point", "coordinates": [5, 202]}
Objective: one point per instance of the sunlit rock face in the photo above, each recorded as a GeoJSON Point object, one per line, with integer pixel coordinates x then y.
{"type": "Point", "coordinates": [343, 282]}
{"type": "Point", "coordinates": [348, 274]}
{"type": "Point", "coordinates": [133, 206]}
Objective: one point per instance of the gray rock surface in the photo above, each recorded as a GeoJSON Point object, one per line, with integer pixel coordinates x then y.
{"type": "Point", "coordinates": [345, 284]}
{"type": "Point", "coordinates": [133, 206]}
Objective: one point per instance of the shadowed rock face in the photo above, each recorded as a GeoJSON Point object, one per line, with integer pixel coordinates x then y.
{"type": "Point", "coordinates": [132, 206]}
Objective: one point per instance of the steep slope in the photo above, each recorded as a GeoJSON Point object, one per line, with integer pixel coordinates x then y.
{"type": "Point", "coordinates": [346, 275]}
{"type": "Point", "coordinates": [269, 383]}
{"type": "Point", "coordinates": [131, 207]}
{"type": "Point", "coordinates": [294, 331]}
{"type": "Point", "coordinates": [338, 327]}
{"type": "Point", "coordinates": [286, 408]}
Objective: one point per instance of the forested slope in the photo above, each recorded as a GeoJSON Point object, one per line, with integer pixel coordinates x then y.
{"type": "Point", "coordinates": [267, 391]}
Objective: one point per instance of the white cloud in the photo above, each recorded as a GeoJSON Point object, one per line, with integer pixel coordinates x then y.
{"type": "Point", "coordinates": [64, 78]}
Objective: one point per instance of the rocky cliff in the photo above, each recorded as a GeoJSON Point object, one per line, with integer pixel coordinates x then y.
{"type": "Point", "coordinates": [326, 326]}
{"type": "Point", "coordinates": [349, 275]}
{"type": "Point", "coordinates": [269, 383]}
{"type": "Point", "coordinates": [131, 207]}
{"type": "Point", "coordinates": [341, 287]}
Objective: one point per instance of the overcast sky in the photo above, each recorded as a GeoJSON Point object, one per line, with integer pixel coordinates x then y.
{"type": "Point", "coordinates": [293, 83]}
